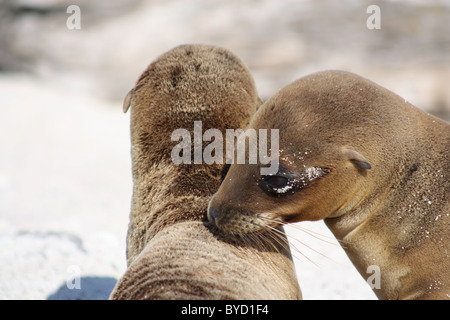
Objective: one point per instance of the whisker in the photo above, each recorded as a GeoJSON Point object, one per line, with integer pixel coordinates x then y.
{"type": "Point", "coordinates": [319, 236]}
{"type": "Point", "coordinates": [309, 232]}
{"type": "Point", "coordinates": [312, 233]}
{"type": "Point", "coordinates": [282, 236]}
{"type": "Point", "coordinates": [256, 240]}
{"type": "Point", "coordinates": [297, 250]}
{"type": "Point", "coordinates": [273, 240]}
{"type": "Point", "coordinates": [274, 237]}
{"type": "Point", "coordinates": [303, 255]}
{"type": "Point", "coordinates": [277, 236]}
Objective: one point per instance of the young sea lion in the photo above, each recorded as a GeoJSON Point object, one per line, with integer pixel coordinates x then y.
{"type": "Point", "coordinates": [172, 251]}
{"type": "Point", "coordinates": [370, 164]}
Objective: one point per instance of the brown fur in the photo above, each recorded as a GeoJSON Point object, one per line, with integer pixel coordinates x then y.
{"type": "Point", "coordinates": [188, 261]}
{"type": "Point", "coordinates": [385, 191]}
{"type": "Point", "coordinates": [172, 253]}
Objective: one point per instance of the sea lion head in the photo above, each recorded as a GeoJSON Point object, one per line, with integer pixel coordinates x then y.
{"type": "Point", "coordinates": [324, 165]}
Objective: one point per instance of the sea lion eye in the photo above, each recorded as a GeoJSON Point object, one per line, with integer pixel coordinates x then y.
{"type": "Point", "coordinates": [277, 181]}
{"type": "Point", "coordinates": [276, 186]}
{"type": "Point", "coordinates": [285, 183]}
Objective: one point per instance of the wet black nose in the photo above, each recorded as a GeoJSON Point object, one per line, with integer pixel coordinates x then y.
{"type": "Point", "coordinates": [212, 215]}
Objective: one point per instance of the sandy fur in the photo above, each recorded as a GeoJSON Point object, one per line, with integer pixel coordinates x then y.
{"type": "Point", "coordinates": [172, 252]}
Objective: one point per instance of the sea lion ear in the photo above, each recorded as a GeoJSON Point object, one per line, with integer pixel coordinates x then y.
{"type": "Point", "coordinates": [127, 101]}
{"type": "Point", "coordinates": [357, 159]}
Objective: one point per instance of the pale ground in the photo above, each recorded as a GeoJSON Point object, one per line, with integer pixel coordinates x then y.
{"type": "Point", "coordinates": [65, 177]}
{"type": "Point", "coordinates": [65, 189]}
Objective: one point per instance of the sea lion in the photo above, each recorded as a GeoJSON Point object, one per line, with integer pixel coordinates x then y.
{"type": "Point", "coordinates": [186, 261]}
{"type": "Point", "coordinates": [172, 251]}
{"type": "Point", "coordinates": [373, 166]}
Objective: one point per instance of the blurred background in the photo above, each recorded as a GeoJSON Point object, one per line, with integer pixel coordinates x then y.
{"type": "Point", "coordinates": [65, 174]}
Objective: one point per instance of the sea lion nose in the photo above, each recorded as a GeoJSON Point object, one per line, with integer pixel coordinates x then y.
{"type": "Point", "coordinates": [212, 215]}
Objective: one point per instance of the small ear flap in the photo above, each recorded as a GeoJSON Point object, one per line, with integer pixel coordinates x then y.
{"type": "Point", "coordinates": [357, 159]}
{"type": "Point", "coordinates": [127, 101]}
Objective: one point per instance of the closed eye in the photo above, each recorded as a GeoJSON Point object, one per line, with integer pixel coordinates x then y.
{"type": "Point", "coordinates": [286, 183]}
{"type": "Point", "coordinates": [277, 182]}
{"type": "Point", "coordinates": [277, 185]}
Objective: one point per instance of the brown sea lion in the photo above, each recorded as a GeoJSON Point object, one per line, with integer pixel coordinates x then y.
{"type": "Point", "coordinates": [172, 251]}
{"type": "Point", "coordinates": [373, 166]}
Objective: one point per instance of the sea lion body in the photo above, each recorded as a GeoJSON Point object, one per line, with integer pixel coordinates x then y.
{"type": "Point", "coordinates": [172, 251]}
{"type": "Point", "coordinates": [373, 166]}
{"type": "Point", "coordinates": [187, 261]}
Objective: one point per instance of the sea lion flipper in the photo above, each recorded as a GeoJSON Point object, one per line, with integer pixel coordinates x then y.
{"type": "Point", "coordinates": [127, 101]}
